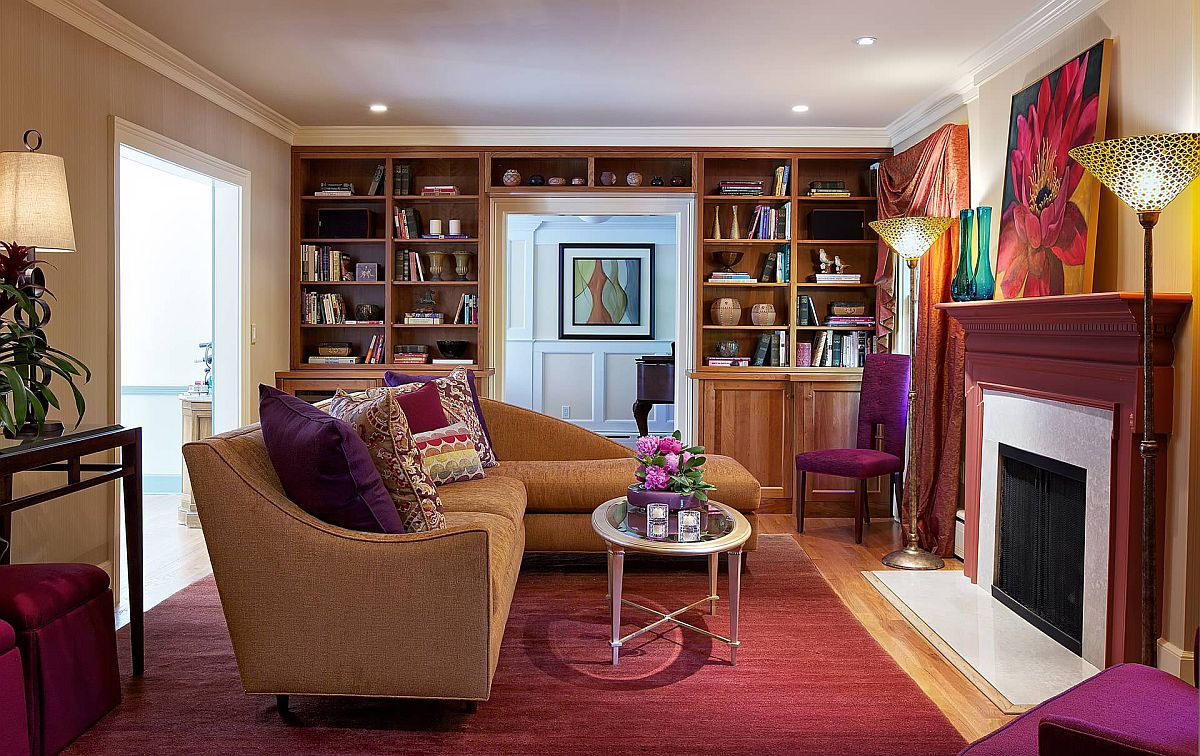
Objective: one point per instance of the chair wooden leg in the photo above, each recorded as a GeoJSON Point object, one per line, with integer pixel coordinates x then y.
{"type": "Point", "coordinates": [866, 507]}
{"type": "Point", "coordinates": [798, 498]}
{"type": "Point", "coordinates": [858, 515]}
{"type": "Point", "coordinates": [894, 495]}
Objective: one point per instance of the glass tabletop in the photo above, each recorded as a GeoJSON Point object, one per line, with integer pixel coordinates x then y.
{"type": "Point", "coordinates": [722, 528]}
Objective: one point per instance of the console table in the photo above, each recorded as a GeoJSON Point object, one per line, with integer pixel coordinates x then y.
{"type": "Point", "coordinates": [64, 453]}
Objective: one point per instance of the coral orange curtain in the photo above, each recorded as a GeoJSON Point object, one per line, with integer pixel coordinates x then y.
{"type": "Point", "coordinates": [931, 178]}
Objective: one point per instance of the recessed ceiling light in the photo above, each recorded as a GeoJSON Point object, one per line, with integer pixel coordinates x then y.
{"type": "Point", "coordinates": [865, 41]}
{"type": "Point", "coordinates": [799, 108]}
{"type": "Point", "coordinates": [379, 108]}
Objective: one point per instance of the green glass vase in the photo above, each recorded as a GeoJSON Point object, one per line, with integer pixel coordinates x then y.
{"type": "Point", "coordinates": [983, 283]}
{"type": "Point", "coordinates": [960, 287]}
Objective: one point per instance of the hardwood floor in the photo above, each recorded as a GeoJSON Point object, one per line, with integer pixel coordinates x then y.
{"type": "Point", "coordinates": [830, 545]}
{"type": "Point", "coordinates": [173, 556]}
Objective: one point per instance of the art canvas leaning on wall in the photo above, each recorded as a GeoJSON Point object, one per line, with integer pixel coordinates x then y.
{"type": "Point", "coordinates": [606, 291]}
{"type": "Point", "coordinates": [1048, 223]}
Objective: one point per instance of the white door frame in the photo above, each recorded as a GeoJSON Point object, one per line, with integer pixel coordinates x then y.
{"type": "Point", "coordinates": [681, 206]}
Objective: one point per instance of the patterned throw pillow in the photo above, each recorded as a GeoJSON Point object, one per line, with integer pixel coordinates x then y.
{"type": "Point", "coordinates": [449, 454]}
{"type": "Point", "coordinates": [455, 390]}
{"type": "Point", "coordinates": [378, 419]}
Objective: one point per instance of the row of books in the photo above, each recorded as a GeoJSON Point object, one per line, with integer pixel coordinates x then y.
{"type": "Point", "coordinates": [777, 266]}
{"type": "Point", "coordinates": [783, 175]}
{"type": "Point", "coordinates": [374, 355]}
{"type": "Point", "coordinates": [407, 222]}
{"type": "Point", "coordinates": [467, 312]}
{"type": "Point", "coordinates": [851, 321]}
{"type": "Point", "coordinates": [423, 318]}
{"type": "Point", "coordinates": [409, 266]}
{"type": "Point", "coordinates": [771, 350]}
{"type": "Point", "coordinates": [741, 188]}
{"type": "Point", "coordinates": [833, 349]}
{"type": "Point", "coordinates": [771, 222]}
{"type": "Point", "coordinates": [320, 263]}
{"type": "Point", "coordinates": [401, 179]}
{"type": "Point", "coordinates": [322, 309]}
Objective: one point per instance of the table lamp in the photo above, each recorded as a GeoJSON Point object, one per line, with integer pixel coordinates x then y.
{"type": "Point", "coordinates": [911, 238]}
{"type": "Point", "coordinates": [1146, 173]}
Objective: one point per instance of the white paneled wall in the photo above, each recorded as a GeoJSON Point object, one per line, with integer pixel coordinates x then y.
{"type": "Point", "coordinates": [592, 383]}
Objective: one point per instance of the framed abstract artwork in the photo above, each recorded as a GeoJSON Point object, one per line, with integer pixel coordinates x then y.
{"type": "Point", "coordinates": [1048, 223]}
{"type": "Point", "coordinates": [606, 291]}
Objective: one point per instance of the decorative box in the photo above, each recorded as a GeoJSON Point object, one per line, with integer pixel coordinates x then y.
{"type": "Point", "coordinates": [333, 349]}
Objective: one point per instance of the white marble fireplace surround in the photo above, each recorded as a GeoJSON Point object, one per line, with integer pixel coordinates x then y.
{"type": "Point", "coordinates": [1076, 434]}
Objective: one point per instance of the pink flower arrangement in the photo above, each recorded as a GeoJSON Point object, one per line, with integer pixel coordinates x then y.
{"type": "Point", "coordinates": [665, 464]}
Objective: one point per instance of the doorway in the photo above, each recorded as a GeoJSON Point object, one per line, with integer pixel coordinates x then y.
{"type": "Point", "coordinates": [181, 356]}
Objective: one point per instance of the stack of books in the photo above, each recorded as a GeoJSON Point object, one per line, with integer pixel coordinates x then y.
{"type": "Point", "coordinates": [444, 236]}
{"type": "Point", "coordinates": [408, 223]}
{"type": "Point", "coordinates": [410, 354]}
{"type": "Point", "coordinates": [439, 190]}
{"type": "Point", "coordinates": [771, 222]}
{"type": "Point", "coordinates": [771, 350]}
{"type": "Point", "coordinates": [402, 178]}
{"type": "Point", "coordinates": [783, 175]}
{"type": "Point", "coordinates": [468, 310]}
{"type": "Point", "coordinates": [828, 189]}
{"type": "Point", "coordinates": [741, 188]}
{"type": "Point", "coordinates": [318, 360]}
{"type": "Point", "coordinates": [335, 189]}
{"type": "Point", "coordinates": [777, 266]}
{"type": "Point", "coordinates": [322, 309]}
{"type": "Point", "coordinates": [324, 264]}
{"type": "Point", "coordinates": [835, 278]}
{"type": "Point", "coordinates": [834, 349]}
{"type": "Point", "coordinates": [374, 354]}
{"type": "Point", "coordinates": [729, 276]}
{"type": "Point", "coordinates": [409, 266]}
{"type": "Point", "coordinates": [424, 318]}
{"type": "Point", "coordinates": [727, 362]}
{"type": "Point", "coordinates": [851, 321]}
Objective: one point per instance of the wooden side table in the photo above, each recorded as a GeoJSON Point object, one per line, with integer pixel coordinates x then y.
{"type": "Point", "coordinates": [197, 426]}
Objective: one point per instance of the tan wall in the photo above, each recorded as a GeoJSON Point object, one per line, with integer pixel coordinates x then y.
{"type": "Point", "coordinates": [67, 84]}
{"type": "Point", "coordinates": [1153, 90]}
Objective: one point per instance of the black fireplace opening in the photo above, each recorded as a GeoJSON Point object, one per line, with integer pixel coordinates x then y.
{"type": "Point", "coordinates": [1039, 563]}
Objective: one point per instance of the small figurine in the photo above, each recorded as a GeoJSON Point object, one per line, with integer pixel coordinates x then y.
{"type": "Point", "coordinates": [426, 300]}
{"type": "Point", "coordinates": [823, 261]}
{"type": "Point", "coordinates": [839, 267]}
{"type": "Point", "coordinates": [656, 181]}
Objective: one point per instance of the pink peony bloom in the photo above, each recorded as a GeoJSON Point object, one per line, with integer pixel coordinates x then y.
{"type": "Point", "coordinates": [671, 463]}
{"type": "Point", "coordinates": [669, 445]}
{"type": "Point", "coordinates": [647, 445]}
{"type": "Point", "coordinates": [656, 479]}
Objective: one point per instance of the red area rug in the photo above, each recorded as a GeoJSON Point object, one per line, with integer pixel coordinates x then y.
{"type": "Point", "coordinates": [809, 679]}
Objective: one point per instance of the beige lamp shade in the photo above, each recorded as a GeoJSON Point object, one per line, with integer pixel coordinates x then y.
{"type": "Point", "coordinates": [1145, 172]}
{"type": "Point", "coordinates": [911, 237]}
{"type": "Point", "coordinates": [35, 210]}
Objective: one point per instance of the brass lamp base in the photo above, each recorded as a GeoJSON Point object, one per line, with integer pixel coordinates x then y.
{"type": "Point", "coordinates": [913, 558]}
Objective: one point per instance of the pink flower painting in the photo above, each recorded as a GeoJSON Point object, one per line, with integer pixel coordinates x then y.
{"type": "Point", "coordinates": [1046, 229]}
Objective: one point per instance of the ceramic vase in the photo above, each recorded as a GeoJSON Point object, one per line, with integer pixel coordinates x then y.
{"type": "Point", "coordinates": [728, 348]}
{"type": "Point", "coordinates": [556, 181]}
{"type": "Point", "coordinates": [462, 264]}
{"type": "Point", "coordinates": [437, 263]}
{"type": "Point", "coordinates": [726, 311]}
{"type": "Point", "coordinates": [678, 181]}
{"type": "Point", "coordinates": [608, 178]}
{"type": "Point", "coordinates": [511, 177]}
{"type": "Point", "coordinates": [983, 283]}
{"type": "Point", "coordinates": [960, 287]}
{"type": "Point", "coordinates": [656, 181]}
{"type": "Point", "coordinates": [734, 231]}
{"type": "Point", "coordinates": [578, 181]}
{"type": "Point", "coordinates": [762, 314]}
{"type": "Point", "coordinates": [537, 179]}
{"type": "Point", "coordinates": [716, 232]}
{"type": "Point", "coordinates": [633, 178]}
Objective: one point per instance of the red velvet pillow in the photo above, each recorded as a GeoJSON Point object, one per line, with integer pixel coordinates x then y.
{"type": "Point", "coordinates": [423, 409]}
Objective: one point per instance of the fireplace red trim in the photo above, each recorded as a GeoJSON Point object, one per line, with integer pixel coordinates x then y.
{"type": "Point", "coordinates": [1082, 349]}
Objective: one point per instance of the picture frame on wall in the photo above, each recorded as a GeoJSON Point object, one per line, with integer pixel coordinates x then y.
{"type": "Point", "coordinates": [606, 291]}
{"type": "Point", "coordinates": [1048, 222]}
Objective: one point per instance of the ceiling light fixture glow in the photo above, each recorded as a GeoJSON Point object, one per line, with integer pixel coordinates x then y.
{"type": "Point", "coordinates": [379, 108]}
{"type": "Point", "coordinates": [864, 41]}
{"type": "Point", "coordinates": [799, 108]}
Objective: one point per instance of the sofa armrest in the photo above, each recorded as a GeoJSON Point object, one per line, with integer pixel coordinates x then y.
{"type": "Point", "coordinates": [1064, 736]}
{"type": "Point", "coordinates": [316, 609]}
{"type": "Point", "coordinates": [521, 435]}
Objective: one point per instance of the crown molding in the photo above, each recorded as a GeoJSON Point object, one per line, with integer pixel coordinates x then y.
{"type": "Point", "coordinates": [1045, 23]}
{"type": "Point", "coordinates": [106, 25]}
{"type": "Point", "coordinates": [578, 136]}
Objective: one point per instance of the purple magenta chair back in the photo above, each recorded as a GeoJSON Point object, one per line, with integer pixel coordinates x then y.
{"type": "Point", "coordinates": [884, 401]}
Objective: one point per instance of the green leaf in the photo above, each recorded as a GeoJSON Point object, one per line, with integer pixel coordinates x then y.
{"type": "Point", "coordinates": [17, 391]}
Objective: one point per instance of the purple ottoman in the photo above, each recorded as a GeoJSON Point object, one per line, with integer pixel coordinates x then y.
{"type": "Point", "coordinates": [14, 729]}
{"type": "Point", "coordinates": [63, 618]}
{"type": "Point", "coordinates": [1126, 709]}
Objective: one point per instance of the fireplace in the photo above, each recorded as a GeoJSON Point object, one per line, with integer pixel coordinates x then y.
{"type": "Point", "coordinates": [1040, 559]}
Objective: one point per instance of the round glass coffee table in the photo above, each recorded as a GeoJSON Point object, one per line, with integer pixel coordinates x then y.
{"type": "Point", "coordinates": [727, 530]}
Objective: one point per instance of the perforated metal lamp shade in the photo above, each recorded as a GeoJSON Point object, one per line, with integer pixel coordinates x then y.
{"type": "Point", "coordinates": [35, 210]}
{"type": "Point", "coordinates": [911, 237]}
{"type": "Point", "coordinates": [1145, 172]}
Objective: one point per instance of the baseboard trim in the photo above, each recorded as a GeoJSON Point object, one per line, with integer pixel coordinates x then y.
{"type": "Point", "coordinates": [1176, 661]}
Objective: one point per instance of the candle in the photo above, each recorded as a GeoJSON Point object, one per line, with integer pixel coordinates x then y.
{"type": "Point", "coordinates": [455, 227]}
{"type": "Point", "coordinates": [435, 226]}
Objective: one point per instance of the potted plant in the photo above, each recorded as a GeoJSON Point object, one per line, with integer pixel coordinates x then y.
{"type": "Point", "coordinates": [669, 472]}
{"type": "Point", "coordinates": [28, 364]}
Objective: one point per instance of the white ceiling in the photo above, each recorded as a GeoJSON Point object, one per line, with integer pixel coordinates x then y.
{"type": "Point", "coordinates": [648, 63]}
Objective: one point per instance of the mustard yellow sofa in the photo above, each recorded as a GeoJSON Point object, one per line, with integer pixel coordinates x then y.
{"type": "Point", "coordinates": [314, 609]}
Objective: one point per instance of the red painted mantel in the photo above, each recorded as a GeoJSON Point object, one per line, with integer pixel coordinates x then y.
{"type": "Point", "coordinates": [1080, 349]}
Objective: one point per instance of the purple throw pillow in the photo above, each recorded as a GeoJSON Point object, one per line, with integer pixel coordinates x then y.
{"type": "Point", "coordinates": [391, 378]}
{"type": "Point", "coordinates": [423, 409]}
{"type": "Point", "coordinates": [324, 466]}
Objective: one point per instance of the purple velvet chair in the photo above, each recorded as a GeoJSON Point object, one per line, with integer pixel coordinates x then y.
{"type": "Point", "coordinates": [883, 401]}
{"type": "Point", "coordinates": [14, 725]}
{"type": "Point", "coordinates": [1126, 710]}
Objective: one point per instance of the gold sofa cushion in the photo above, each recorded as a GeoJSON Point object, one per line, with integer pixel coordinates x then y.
{"type": "Point", "coordinates": [495, 494]}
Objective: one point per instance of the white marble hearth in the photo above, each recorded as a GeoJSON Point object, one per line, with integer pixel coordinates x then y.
{"type": "Point", "coordinates": [1011, 661]}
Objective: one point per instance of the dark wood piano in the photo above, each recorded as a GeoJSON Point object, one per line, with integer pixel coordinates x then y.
{"type": "Point", "coordinates": [655, 385]}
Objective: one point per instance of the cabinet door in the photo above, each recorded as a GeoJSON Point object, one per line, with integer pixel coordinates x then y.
{"type": "Point", "coordinates": [752, 421]}
{"type": "Point", "coordinates": [830, 421]}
